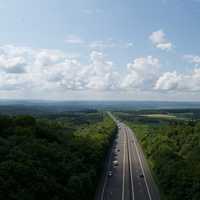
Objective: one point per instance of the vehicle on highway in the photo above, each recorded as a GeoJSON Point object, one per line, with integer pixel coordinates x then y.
{"type": "Point", "coordinates": [110, 173]}
{"type": "Point", "coordinates": [115, 163]}
{"type": "Point", "coordinates": [141, 175]}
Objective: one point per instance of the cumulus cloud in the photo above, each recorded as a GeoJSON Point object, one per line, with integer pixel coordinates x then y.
{"type": "Point", "coordinates": [14, 81]}
{"type": "Point", "coordinates": [12, 64]}
{"type": "Point", "coordinates": [46, 69]}
{"type": "Point", "coordinates": [160, 41]}
{"type": "Point", "coordinates": [168, 81]}
{"type": "Point", "coordinates": [142, 72]}
{"type": "Point", "coordinates": [13, 60]}
{"type": "Point", "coordinates": [48, 57]}
{"type": "Point", "coordinates": [28, 69]}
{"type": "Point", "coordinates": [191, 82]}
{"type": "Point", "coordinates": [102, 76]}
{"type": "Point", "coordinates": [172, 81]}
{"type": "Point", "coordinates": [194, 59]}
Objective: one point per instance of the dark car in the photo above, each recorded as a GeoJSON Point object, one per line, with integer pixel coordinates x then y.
{"type": "Point", "coordinates": [110, 173]}
{"type": "Point", "coordinates": [141, 175]}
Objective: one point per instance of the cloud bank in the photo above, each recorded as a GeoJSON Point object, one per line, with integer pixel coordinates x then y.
{"type": "Point", "coordinates": [25, 69]}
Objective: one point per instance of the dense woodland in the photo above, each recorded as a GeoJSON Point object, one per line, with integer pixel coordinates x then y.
{"type": "Point", "coordinates": [173, 150]}
{"type": "Point", "coordinates": [54, 157]}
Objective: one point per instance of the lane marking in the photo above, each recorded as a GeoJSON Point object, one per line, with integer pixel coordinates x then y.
{"type": "Point", "coordinates": [148, 191]}
{"type": "Point", "coordinates": [123, 168]}
{"type": "Point", "coordinates": [130, 167]}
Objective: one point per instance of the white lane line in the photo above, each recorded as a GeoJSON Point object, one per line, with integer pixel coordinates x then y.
{"type": "Point", "coordinates": [145, 180]}
{"type": "Point", "coordinates": [123, 168]}
{"type": "Point", "coordinates": [130, 161]}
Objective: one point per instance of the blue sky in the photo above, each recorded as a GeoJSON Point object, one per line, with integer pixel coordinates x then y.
{"type": "Point", "coordinates": [118, 46]}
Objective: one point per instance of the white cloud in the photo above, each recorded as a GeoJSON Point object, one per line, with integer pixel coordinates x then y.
{"type": "Point", "coordinates": [129, 44]}
{"type": "Point", "coordinates": [158, 37]}
{"type": "Point", "coordinates": [142, 72]}
{"type": "Point", "coordinates": [102, 75]}
{"type": "Point", "coordinates": [164, 46]}
{"type": "Point", "coordinates": [191, 82]}
{"type": "Point", "coordinates": [160, 41]}
{"type": "Point", "coordinates": [48, 57]}
{"type": "Point", "coordinates": [173, 81]}
{"type": "Point", "coordinates": [194, 59]}
{"type": "Point", "coordinates": [74, 39]}
{"type": "Point", "coordinates": [100, 45]}
{"type": "Point", "coordinates": [43, 71]}
{"type": "Point", "coordinates": [12, 64]}
{"type": "Point", "coordinates": [168, 81]}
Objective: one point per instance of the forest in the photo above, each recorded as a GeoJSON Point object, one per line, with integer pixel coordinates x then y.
{"type": "Point", "coordinates": [172, 148]}
{"type": "Point", "coordinates": [53, 157]}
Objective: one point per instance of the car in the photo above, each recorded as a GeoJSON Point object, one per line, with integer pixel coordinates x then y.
{"type": "Point", "coordinates": [110, 173]}
{"type": "Point", "coordinates": [141, 175]}
{"type": "Point", "coordinates": [115, 163]}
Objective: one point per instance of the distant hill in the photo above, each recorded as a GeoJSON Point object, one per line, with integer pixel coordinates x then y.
{"type": "Point", "coordinates": [49, 107]}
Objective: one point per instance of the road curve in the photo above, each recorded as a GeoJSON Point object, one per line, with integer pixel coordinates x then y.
{"type": "Point", "coordinates": [131, 179]}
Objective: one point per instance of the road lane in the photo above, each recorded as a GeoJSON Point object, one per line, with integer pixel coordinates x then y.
{"type": "Point", "coordinates": [113, 189]}
{"type": "Point", "coordinates": [140, 185]}
{"type": "Point", "coordinates": [151, 186]}
{"type": "Point", "coordinates": [130, 168]}
{"type": "Point", "coordinates": [126, 182]}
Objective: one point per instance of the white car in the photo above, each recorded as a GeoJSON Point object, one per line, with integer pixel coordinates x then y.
{"type": "Point", "coordinates": [115, 163]}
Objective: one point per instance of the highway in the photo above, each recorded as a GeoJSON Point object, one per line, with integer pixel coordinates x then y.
{"type": "Point", "coordinates": [131, 179]}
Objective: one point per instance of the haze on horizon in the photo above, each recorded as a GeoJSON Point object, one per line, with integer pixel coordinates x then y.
{"type": "Point", "coordinates": [100, 50]}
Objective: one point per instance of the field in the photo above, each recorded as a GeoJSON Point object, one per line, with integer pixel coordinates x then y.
{"type": "Point", "coordinates": [162, 116]}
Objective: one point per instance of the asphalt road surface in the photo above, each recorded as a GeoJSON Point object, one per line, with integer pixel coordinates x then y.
{"type": "Point", "coordinates": [130, 178]}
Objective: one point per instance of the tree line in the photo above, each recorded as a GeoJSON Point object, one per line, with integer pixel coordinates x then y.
{"type": "Point", "coordinates": [45, 159]}
{"type": "Point", "coordinates": [173, 151]}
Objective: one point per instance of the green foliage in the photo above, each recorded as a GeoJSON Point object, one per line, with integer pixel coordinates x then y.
{"type": "Point", "coordinates": [44, 159]}
{"type": "Point", "coordinates": [173, 150]}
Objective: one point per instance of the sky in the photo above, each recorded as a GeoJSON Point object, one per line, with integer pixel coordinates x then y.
{"type": "Point", "coordinates": [100, 50]}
